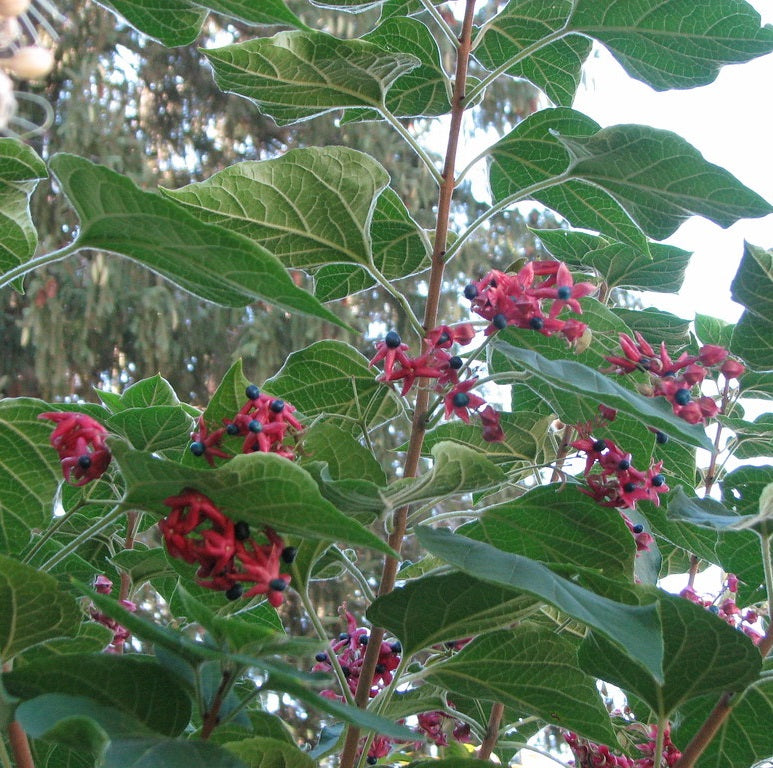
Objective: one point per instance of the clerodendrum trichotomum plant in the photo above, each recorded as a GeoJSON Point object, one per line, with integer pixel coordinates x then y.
{"type": "Point", "coordinates": [542, 450]}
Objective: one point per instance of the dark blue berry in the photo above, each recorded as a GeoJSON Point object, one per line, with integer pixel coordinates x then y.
{"type": "Point", "coordinates": [630, 487]}
{"type": "Point", "coordinates": [363, 640]}
{"type": "Point", "coordinates": [252, 392]}
{"type": "Point", "coordinates": [644, 363]}
{"type": "Point", "coordinates": [84, 462]}
{"type": "Point", "coordinates": [396, 647]}
{"type": "Point", "coordinates": [714, 608]}
{"type": "Point", "coordinates": [320, 657]}
{"type": "Point", "coordinates": [638, 528]}
{"type": "Point", "coordinates": [235, 591]}
{"type": "Point", "coordinates": [470, 291]}
{"type": "Point", "coordinates": [461, 400]}
{"type": "Point", "coordinates": [499, 321]}
{"type": "Point", "coordinates": [346, 671]}
{"type": "Point", "coordinates": [455, 362]}
{"type": "Point", "coordinates": [255, 426]}
{"type": "Point", "coordinates": [682, 396]}
{"type": "Point", "coordinates": [443, 338]}
{"type": "Point", "coordinates": [564, 292]}
{"type": "Point", "coordinates": [277, 585]}
{"type": "Point", "coordinates": [242, 530]}
{"type": "Point", "coordinates": [658, 480]}
{"type": "Point", "coordinates": [371, 760]}
{"type": "Point", "coordinates": [623, 464]}
{"type": "Point", "coordinates": [380, 669]}
{"type": "Point", "coordinates": [343, 636]}
{"type": "Point", "coordinates": [197, 449]}
{"type": "Point", "coordinates": [288, 554]}
{"type": "Point", "coordinates": [661, 438]}
{"type": "Point", "coordinates": [232, 429]}
{"type": "Point", "coordinates": [393, 340]}
{"type": "Point", "coordinates": [599, 446]}
{"type": "Point", "coordinates": [277, 406]}
{"type": "Point", "coordinates": [536, 323]}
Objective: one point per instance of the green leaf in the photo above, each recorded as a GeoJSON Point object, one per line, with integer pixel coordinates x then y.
{"type": "Point", "coordinates": [455, 469]}
{"type": "Point", "coordinates": [524, 34]}
{"type": "Point", "coordinates": [561, 379]}
{"type": "Point", "coordinates": [259, 488]}
{"type": "Point", "coordinates": [636, 628]}
{"type": "Point", "coordinates": [656, 325]}
{"type": "Point", "coordinates": [261, 752]}
{"type": "Point", "coordinates": [206, 260]}
{"type": "Point", "coordinates": [345, 457]}
{"type": "Point", "coordinates": [445, 608]}
{"type": "Point", "coordinates": [91, 638]}
{"type": "Point", "coordinates": [264, 12]}
{"type": "Point", "coordinates": [753, 438]}
{"type": "Point", "coordinates": [422, 91]}
{"type": "Point", "coordinates": [33, 608]}
{"type": "Point", "coordinates": [744, 737]}
{"type": "Point", "coordinates": [155, 390]}
{"type": "Point", "coordinates": [675, 44]}
{"type": "Point", "coordinates": [170, 753]}
{"type": "Point", "coordinates": [752, 287]}
{"type": "Point", "coordinates": [294, 76]}
{"type": "Point", "coordinates": [152, 428]}
{"type": "Point", "coordinates": [659, 178]}
{"type": "Point", "coordinates": [133, 684]}
{"type": "Point", "coordinates": [742, 488]}
{"type": "Point", "coordinates": [532, 154]}
{"type": "Point", "coordinates": [724, 659]}
{"type": "Point", "coordinates": [709, 513]}
{"type": "Point", "coordinates": [523, 437]}
{"type": "Point", "coordinates": [560, 525]}
{"type": "Point", "coordinates": [283, 204]}
{"type": "Point", "coordinates": [752, 341]}
{"type": "Point", "coordinates": [171, 22]}
{"type": "Point", "coordinates": [29, 471]}
{"type": "Point", "coordinates": [20, 171]}
{"type": "Point", "coordinates": [531, 669]}
{"type": "Point", "coordinates": [712, 330]}
{"type": "Point", "coordinates": [330, 377]}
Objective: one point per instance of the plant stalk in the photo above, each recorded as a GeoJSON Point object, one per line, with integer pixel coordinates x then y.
{"type": "Point", "coordinates": [492, 731]}
{"type": "Point", "coordinates": [418, 426]}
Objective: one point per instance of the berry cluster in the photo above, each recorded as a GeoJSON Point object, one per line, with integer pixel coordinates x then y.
{"type": "Point", "coordinates": [263, 422]}
{"type": "Point", "coordinates": [438, 363]}
{"type": "Point", "coordinates": [525, 301]}
{"type": "Point", "coordinates": [349, 649]}
{"type": "Point", "coordinates": [726, 608]}
{"type": "Point", "coordinates": [588, 754]}
{"type": "Point", "coordinates": [80, 442]}
{"type": "Point", "coordinates": [104, 586]}
{"type": "Point", "coordinates": [436, 725]}
{"type": "Point", "coordinates": [677, 379]}
{"type": "Point", "coordinates": [196, 531]}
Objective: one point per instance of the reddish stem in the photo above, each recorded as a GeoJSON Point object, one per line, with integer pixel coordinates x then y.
{"type": "Point", "coordinates": [492, 731]}
{"type": "Point", "coordinates": [20, 746]}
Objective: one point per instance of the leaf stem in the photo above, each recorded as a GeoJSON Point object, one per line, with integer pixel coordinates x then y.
{"type": "Point", "coordinates": [399, 298]}
{"type": "Point", "coordinates": [39, 261]}
{"type": "Point", "coordinates": [659, 739]}
{"type": "Point", "coordinates": [441, 22]}
{"type": "Point", "coordinates": [83, 537]}
{"type": "Point", "coordinates": [212, 715]}
{"type": "Point", "coordinates": [459, 104]}
{"type": "Point", "coordinates": [51, 530]}
{"type": "Point", "coordinates": [414, 145]}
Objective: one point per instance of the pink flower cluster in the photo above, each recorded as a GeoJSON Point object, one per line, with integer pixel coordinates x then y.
{"type": "Point", "coordinates": [532, 298]}
{"type": "Point", "coordinates": [263, 423]}
{"type": "Point", "coordinates": [104, 586]}
{"type": "Point", "coordinates": [438, 363]}
{"type": "Point", "coordinates": [677, 379]}
{"type": "Point", "coordinates": [588, 754]}
{"type": "Point", "coordinates": [725, 607]}
{"type": "Point", "coordinates": [80, 442]}
{"type": "Point", "coordinates": [436, 725]}
{"type": "Point", "coordinates": [196, 531]}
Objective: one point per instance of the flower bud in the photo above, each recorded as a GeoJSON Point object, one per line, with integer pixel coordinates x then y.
{"type": "Point", "coordinates": [732, 369]}
{"type": "Point", "coordinates": [712, 354]}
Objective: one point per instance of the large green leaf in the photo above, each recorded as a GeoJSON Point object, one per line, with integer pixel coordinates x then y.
{"type": "Point", "coordinates": [20, 171]}
{"type": "Point", "coordinates": [744, 737]}
{"type": "Point", "coordinates": [32, 608]}
{"type": "Point", "coordinates": [29, 472]}
{"type": "Point", "coordinates": [530, 669]}
{"type": "Point", "coordinates": [528, 35]}
{"type": "Point", "coordinates": [261, 752]}
{"type": "Point", "coordinates": [285, 204]}
{"type": "Point", "coordinates": [445, 608]}
{"type": "Point", "coordinates": [294, 76]}
{"type": "Point", "coordinates": [455, 469]}
{"type": "Point", "coordinates": [709, 513]}
{"type": "Point", "coordinates": [262, 12]}
{"type": "Point", "coordinates": [259, 488]}
{"type": "Point", "coordinates": [344, 456]}
{"type": "Point", "coordinates": [330, 377]}
{"type": "Point", "coordinates": [659, 178]}
{"type": "Point", "coordinates": [724, 659]}
{"type": "Point", "coordinates": [559, 525]}
{"type": "Point", "coordinates": [133, 684]}
{"type": "Point", "coordinates": [206, 260]}
{"type": "Point", "coordinates": [152, 428]}
{"type": "Point", "coordinates": [533, 154]}
{"type": "Point", "coordinates": [752, 286]}
{"type": "Point", "coordinates": [675, 44]}
{"type": "Point", "coordinates": [171, 22]}
{"type": "Point", "coordinates": [579, 389]}
{"type": "Point", "coordinates": [635, 628]}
